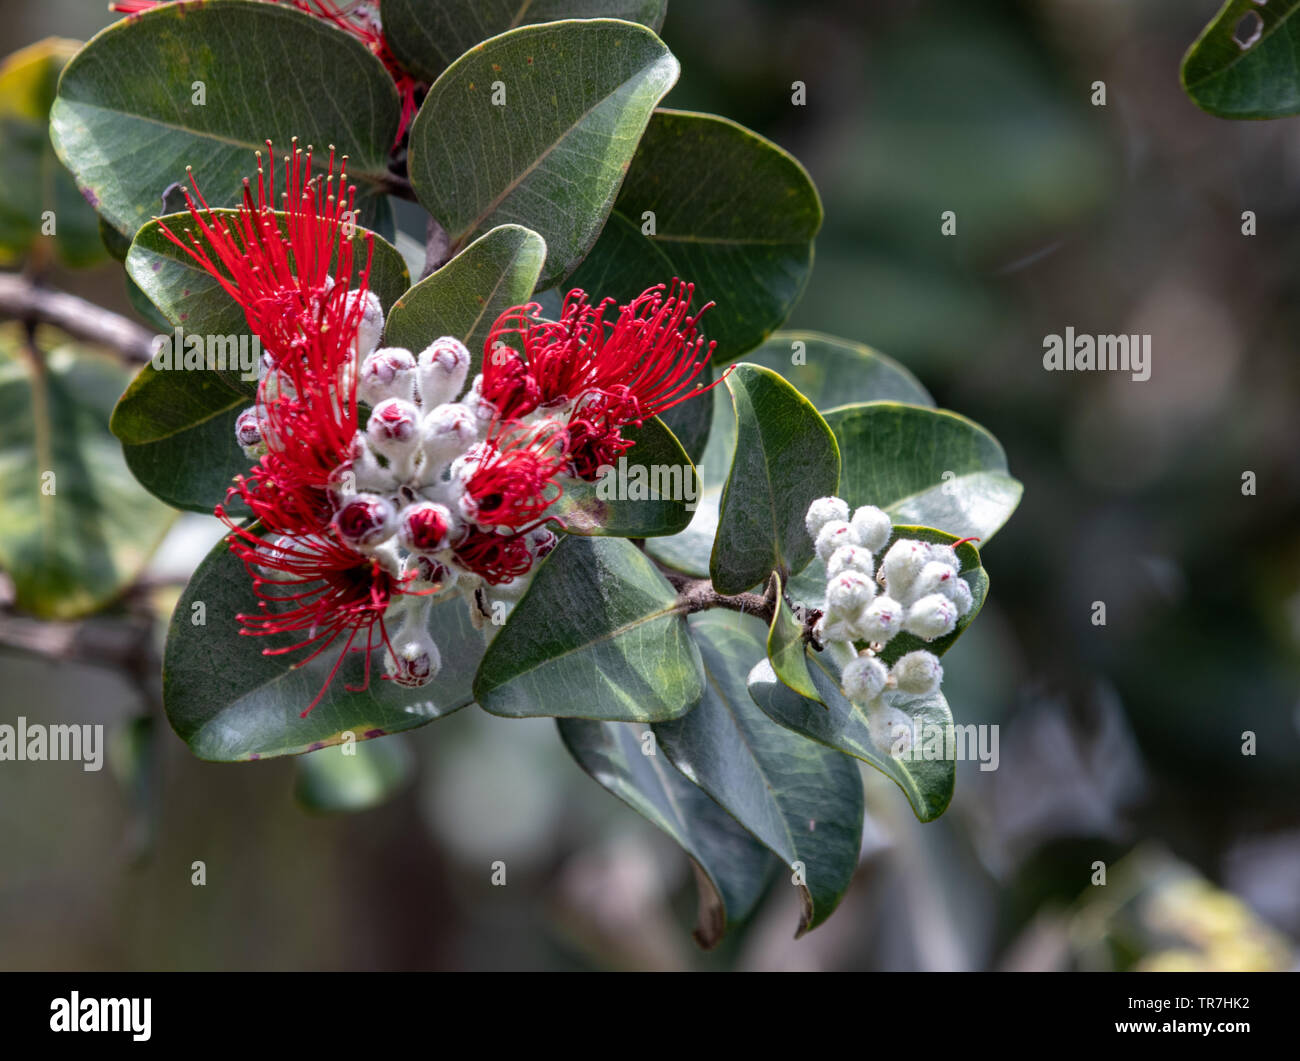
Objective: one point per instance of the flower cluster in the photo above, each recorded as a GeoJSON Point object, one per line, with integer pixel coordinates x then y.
{"type": "Point", "coordinates": [916, 588]}
{"type": "Point", "coordinates": [359, 19]}
{"type": "Point", "coordinates": [443, 489]}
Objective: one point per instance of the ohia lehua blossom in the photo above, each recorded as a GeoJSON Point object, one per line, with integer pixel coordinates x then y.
{"type": "Point", "coordinates": [388, 479]}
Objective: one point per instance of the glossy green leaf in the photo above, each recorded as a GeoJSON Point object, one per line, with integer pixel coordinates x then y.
{"type": "Point", "coordinates": [228, 701]}
{"type": "Point", "coordinates": [732, 868]}
{"type": "Point", "coordinates": [801, 800]}
{"type": "Point", "coordinates": [840, 724]}
{"type": "Point", "coordinates": [429, 35]}
{"type": "Point", "coordinates": [786, 647]}
{"type": "Point", "coordinates": [465, 297]}
{"type": "Point", "coordinates": [177, 425]}
{"type": "Point", "coordinates": [652, 491]}
{"type": "Point", "coordinates": [785, 458]}
{"type": "Point", "coordinates": [353, 777]}
{"type": "Point", "coordinates": [75, 527]}
{"type": "Point", "coordinates": [825, 370]}
{"type": "Point", "coordinates": [730, 212]}
{"type": "Point", "coordinates": [597, 635]}
{"type": "Point", "coordinates": [924, 466]}
{"type": "Point", "coordinates": [1243, 64]}
{"type": "Point", "coordinates": [36, 193]}
{"type": "Point", "coordinates": [126, 122]}
{"type": "Point", "coordinates": [577, 96]}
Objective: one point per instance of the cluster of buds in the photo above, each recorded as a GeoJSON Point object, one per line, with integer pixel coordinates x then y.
{"type": "Point", "coordinates": [915, 588]}
{"type": "Point", "coordinates": [443, 489]}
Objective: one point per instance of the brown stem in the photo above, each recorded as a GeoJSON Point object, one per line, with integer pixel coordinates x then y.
{"type": "Point", "coordinates": [23, 300]}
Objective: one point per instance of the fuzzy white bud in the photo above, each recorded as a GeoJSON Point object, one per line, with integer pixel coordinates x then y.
{"type": "Point", "coordinates": [918, 673]}
{"type": "Point", "coordinates": [935, 577]}
{"type": "Point", "coordinates": [902, 564]}
{"type": "Point", "coordinates": [880, 620]}
{"type": "Point", "coordinates": [960, 594]}
{"type": "Point", "coordinates": [248, 433]}
{"type": "Point", "coordinates": [864, 679]}
{"type": "Point", "coordinates": [448, 431]}
{"type": "Point", "coordinates": [372, 323]}
{"type": "Point", "coordinates": [848, 593]}
{"type": "Point", "coordinates": [850, 558]}
{"type": "Point", "coordinates": [931, 617]}
{"type": "Point", "coordinates": [444, 364]}
{"type": "Point", "coordinates": [829, 631]}
{"type": "Point", "coordinates": [871, 528]}
{"type": "Point", "coordinates": [833, 535]}
{"type": "Point", "coordinates": [823, 511]}
{"type": "Point", "coordinates": [415, 659]}
{"type": "Point", "coordinates": [388, 372]}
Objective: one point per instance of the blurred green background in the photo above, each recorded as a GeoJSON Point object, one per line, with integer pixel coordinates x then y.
{"type": "Point", "coordinates": [1120, 743]}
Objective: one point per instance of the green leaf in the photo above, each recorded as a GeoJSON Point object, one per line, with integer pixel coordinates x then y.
{"type": "Point", "coordinates": [833, 372]}
{"type": "Point", "coordinates": [924, 466]}
{"type": "Point", "coordinates": [428, 35]}
{"type": "Point", "coordinates": [690, 421]}
{"type": "Point", "coordinates": [732, 213]}
{"type": "Point", "coordinates": [597, 635]}
{"type": "Point", "coordinates": [228, 701]}
{"type": "Point", "coordinates": [732, 870]}
{"type": "Point", "coordinates": [786, 647]}
{"type": "Point", "coordinates": [32, 181]}
{"type": "Point", "coordinates": [353, 777]}
{"type": "Point", "coordinates": [651, 492]}
{"type": "Point", "coordinates": [75, 528]}
{"type": "Point", "coordinates": [126, 124]}
{"type": "Point", "coordinates": [177, 425]}
{"type": "Point", "coordinates": [825, 370]}
{"type": "Point", "coordinates": [802, 801]}
{"type": "Point", "coordinates": [838, 723]}
{"type": "Point", "coordinates": [465, 297]}
{"type": "Point", "coordinates": [577, 99]}
{"type": "Point", "coordinates": [785, 458]}
{"type": "Point", "coordinates": [1257, 81]}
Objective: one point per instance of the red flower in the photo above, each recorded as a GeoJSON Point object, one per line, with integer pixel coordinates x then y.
{"type": "Point", "coordinates": [326, 591]}
{"type": "Point", "coordinates": [513, 482]}
{"type": "Point", "coordinates": [618, 372]}
{"type": "Point", "coordinates": [291, 274]}
{"type": "Point", "coordinates": [359, 19]}
{"type": "Point", "coordinates": [495, 557]}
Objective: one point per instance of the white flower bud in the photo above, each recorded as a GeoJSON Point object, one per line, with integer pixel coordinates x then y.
{"type": "Point", "coordinates": [415, 659]}
{"type": "Point", "coordinates": [891, 729]}
{"type": "Point", "coordinates": [448, 430]}
{"type": "Point", "coordinates": [864, 679]}
{"type": "Point", "coordinates": [832, 631]}
{"type": "Point", "coordinates": [918, 673]}
{"type": "Point", "coordinates": [944, 554]}
{"type": "Point", "coordinates": [364, 474]}
{"type": "Point", "coordinates": [902, 564]}
{"type": "Point", "coordinates": [823, 511]}
{"type": "Point", "coordinates": [871, 528]}
{"type": "Point", "coordinates": [960, 594]}
{"type": "Point", "coordinates": [444, 364]}
{"type": "Point", "coordinates": [931, 617]}
{"type": "Point", "coordinates": [388, 372]}
{"type": "Point", "coordinates": [425, 527]}
{"type": "Point", "coordinates": [371, 326]}
{"type": "Point", "coordinates": [848, 593]}
{"type": "Point", "coordinates": [833, 535]}
{"type": "Point", "coordinates": [248, 432]}
{"type": "Point", "coordinates": [880, 621]}
{"type": "Point", "coordinates": [366, 521]}
{"type": "Point", "coordinates": [850, 558]}
{"type": "Point", "coordinates": [935, 577]}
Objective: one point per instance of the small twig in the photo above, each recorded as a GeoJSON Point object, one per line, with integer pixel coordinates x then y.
{"type": "Point", "coordinates": [20, 299]}
{"type": "Point", "coordinates": [398, 185]}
